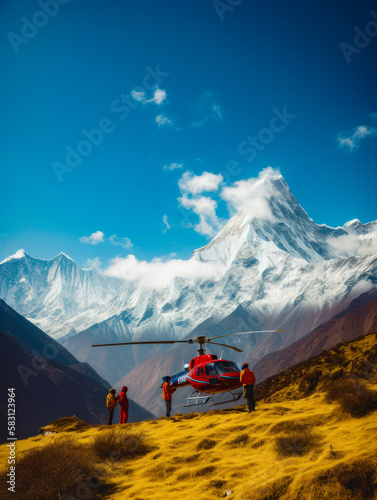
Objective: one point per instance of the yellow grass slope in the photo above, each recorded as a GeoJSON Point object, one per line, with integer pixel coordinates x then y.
{"type": "Point", "coordinates": [297, 445]}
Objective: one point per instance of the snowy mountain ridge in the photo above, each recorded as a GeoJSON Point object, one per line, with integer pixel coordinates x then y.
{"type": "Point", "coordinates": [271, 258]}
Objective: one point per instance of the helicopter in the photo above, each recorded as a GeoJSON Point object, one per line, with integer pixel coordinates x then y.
{"type": "Point", "coordinates": [207, 374]}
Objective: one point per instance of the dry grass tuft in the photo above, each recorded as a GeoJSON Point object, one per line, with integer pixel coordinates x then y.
{"type": "Point", "coordinates": [289, 426]}
{"type": "Point", "coordinates": [116, 444]}
{"type": "Point", "coordinates": [57, 469]}
{"type": "Point", "coordinates": [240, 440]}
{"type": "Point", "coordinates": [161, 471]}
{"type": "Point", "coordinates": [188, 459]}
{"type": "Point", "coordinates": [216, 483]}
{"type": "Point", "coordinates": [355, 480]}
{"type": "Point", "coordinates": [206, 444]}
{"type": "Point", "coordinates": [274, 490]}
{"type": "Point", "coordinates": [258, 444]}
{"type": "Point", "coordinates": [297, 443]}
{"type": "Point", "coordinates": [354, 397]}
{"type": "Point", "coordinates": [204, 471]}
{"type": "Point", "coordinates": [358, 477]}
{"type": "Point", "coordinates": [65, 424]}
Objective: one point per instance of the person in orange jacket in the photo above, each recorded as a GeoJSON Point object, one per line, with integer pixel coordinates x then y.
{"type": "Point", "coordinates": [247, 379]}
{"type": "Point", "coordinates": [167, 392]}
{"type": "Point", "coordinates": [111, 402]}
{"type": "Point", "coordinates": [123, 405]}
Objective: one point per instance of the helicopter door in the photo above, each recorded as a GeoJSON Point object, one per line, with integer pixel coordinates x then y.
{"type": "Point", "coordinates": [212, 374]}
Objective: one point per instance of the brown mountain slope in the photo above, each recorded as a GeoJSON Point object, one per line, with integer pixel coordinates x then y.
{"type": "Point", "coordinates": [350, 325]}
{"type": "Point", "coordinates": [354, 361]}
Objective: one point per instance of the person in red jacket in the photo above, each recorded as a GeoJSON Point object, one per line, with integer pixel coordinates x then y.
{"type": "Point", "coordinates": [247, 379]}
{"type": "Point", "coordinates": [167, 393]}
{"type": "Point", "coordinates": [123, 405]}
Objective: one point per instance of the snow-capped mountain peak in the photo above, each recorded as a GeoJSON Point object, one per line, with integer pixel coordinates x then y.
{"type": "Point", "coordinates": [269, 220]}
{"type": "Point", "coordinates": [20, 254]}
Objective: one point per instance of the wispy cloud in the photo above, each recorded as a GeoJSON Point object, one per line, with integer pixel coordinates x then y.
{"type": "Point", "coordinates": [373, 115]}
{"type": "Point", "coordinates": [207, 108]}
{"type": "Point", "coordinates": [163, 120]}
{"type": "Point", "coordinates": [158, 273]}
{"type": "Point", "coordinates": [93, 239]}
{"type": "Point", "coordinates": [122, 242]}
{"type": "Point", "coordinates": [166, 223]}
{"type": "Point", "coordinates": [354, 244]}
{"type": "Point", "coordinates": [172, 166]}
{"type": "Point", "coordinates": [159, 96]}
{"type": "Point", "coordinates": [352, 142]}
{"type": "Point", "coordinates": [99, 237]}
{"type": "Point", "coordinates": [94, 263]}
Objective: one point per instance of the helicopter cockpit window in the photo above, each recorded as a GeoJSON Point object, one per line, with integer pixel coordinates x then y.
{"type": "Point", "coordinates": [226, 367]}
{"type": "Point", "coordinates": [210, 369]}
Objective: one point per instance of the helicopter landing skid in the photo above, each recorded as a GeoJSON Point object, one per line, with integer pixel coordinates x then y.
{"type": "Point", "coordinates": [202, 400]}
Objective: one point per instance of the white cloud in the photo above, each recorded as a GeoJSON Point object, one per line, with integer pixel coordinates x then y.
{"type": "Point", "coordinates": [93, 239]}
{"type": "Point", "coordinates": [204, 207]}
{"type": "Point", "coordinates": [196, 184]}
{"type": "Point", "coordinates": [138, 96]}
{"type": "Point", "coordinates": [354, 244]}
{"type": "Point", "coordinates": [252, 194]}
{"type": "Point", "coordinates": [94, 263]}
{"type": "Point", "coordinates": [208, 108]}
{"type": "Point", "coordinates": [172, 166]}
{"type": "Point", "coordinates": [122, 242]}
{"type": "Point", "coordinates": [352, 142]}
{"type": "Point", "coordinates": [163, 120]}
{"type": "Point", "coordinates": [373, 115]}
{"type": "Point", "coordinates": [159, 96]}
{"type": "Point", "coordinates": [158, 273]}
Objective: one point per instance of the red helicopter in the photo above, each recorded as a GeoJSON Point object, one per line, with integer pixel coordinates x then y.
{"type": "Point", "coordinates": [205, 373]}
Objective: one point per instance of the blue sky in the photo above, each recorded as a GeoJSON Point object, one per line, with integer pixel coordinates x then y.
{"type": "Point", "coordinates": [197, 80]}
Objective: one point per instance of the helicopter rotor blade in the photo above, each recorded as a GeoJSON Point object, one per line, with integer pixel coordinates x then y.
{"type": "Point", "coordinates": [149, 342]}
{"type": "Point", "coordinates": [225, 345]}
{"type": "Point", "coordinates": [243, 333]}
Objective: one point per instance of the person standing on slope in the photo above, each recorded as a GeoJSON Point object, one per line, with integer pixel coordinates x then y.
{"type": "Point", "coordinates": [111, 402]}
{"type": "Point", "coordinates": [167, 392]}
{"type": "Point", "coordinates": [123, 405]}
{"type": "Point", "coordinates": [247, 379]}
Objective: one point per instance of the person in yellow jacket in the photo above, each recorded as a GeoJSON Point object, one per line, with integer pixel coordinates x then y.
{"type": "Point", "coordinates": [247, 379]}
{"type": "Point", "coordinates": [111, 402]}
{"type": "Point", "coordinates": [167, 392]}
